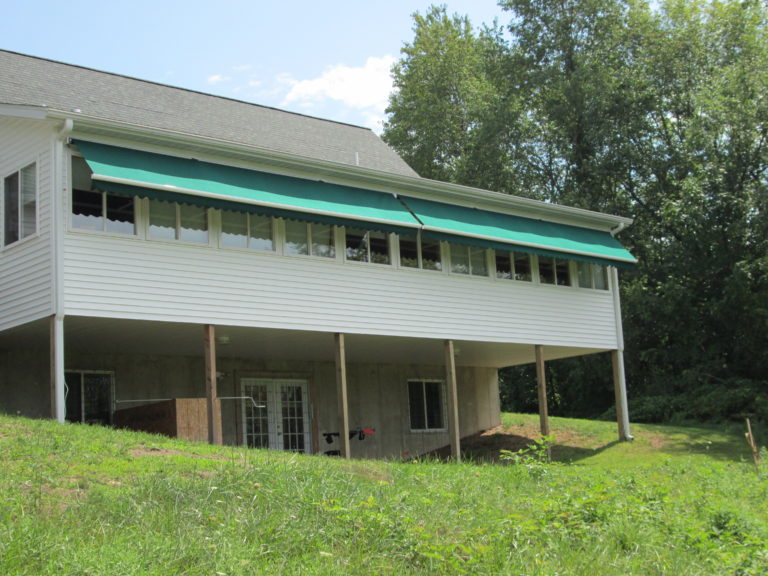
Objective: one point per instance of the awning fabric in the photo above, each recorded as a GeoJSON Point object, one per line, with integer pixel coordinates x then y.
{"type": "Point", "coordinates": [465, 225]}
{"type": "Point", "coordinates": [150, 175]}
{"type": "Point", "coordinates": [169, 178]}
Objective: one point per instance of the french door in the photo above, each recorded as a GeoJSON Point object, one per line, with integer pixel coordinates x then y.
{"type": "Point", "coordinates": [276, 414]}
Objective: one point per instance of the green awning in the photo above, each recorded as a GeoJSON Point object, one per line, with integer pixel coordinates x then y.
{"type": "Point", "coordinates": [506, 232]}
{"type": "Point", "coordinates": [149, 175]}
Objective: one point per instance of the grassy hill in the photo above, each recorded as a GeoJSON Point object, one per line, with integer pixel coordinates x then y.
{"type": "Point", "coordinates": [88, 500]}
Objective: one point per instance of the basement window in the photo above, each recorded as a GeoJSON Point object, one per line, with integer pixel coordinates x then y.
{"type": "Point", "coordinates": [416, 252]}
{"type": "Point", "coordinates": [20, 204]}
{"type": "Point", "coordinates": [367, 246]}
{"type": "Point", "coordinates": [426, 405]}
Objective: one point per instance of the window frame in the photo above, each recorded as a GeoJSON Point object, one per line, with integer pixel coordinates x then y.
{"type": "Point", "coordinates": [512, 256]}
{"type": "Point", "coordinates": [282, 241]}
{"type": "Point", "coordinates": [367, 241]}
{"type": "Point", "coordinates": [248, 237]}
{"type": "Point", "coordinates": [486, 252]}
{"type": "Point", "coordinates": [425, 414]}
{"type": "Point", "coordinates": [178, 228]}
{"type": "Point", "coordinates": [556, 264]}
{"type": "Point", "coordinates": [20, 204]}
{"type": "Point", "coordinates": [419, 253]}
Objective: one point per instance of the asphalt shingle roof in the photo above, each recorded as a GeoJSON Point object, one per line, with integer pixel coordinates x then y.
{"type": "Point", "coordinates": [28, 80]}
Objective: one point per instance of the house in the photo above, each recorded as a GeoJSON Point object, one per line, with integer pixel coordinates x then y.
{"type": "Point", "coordinates": [279, 280]}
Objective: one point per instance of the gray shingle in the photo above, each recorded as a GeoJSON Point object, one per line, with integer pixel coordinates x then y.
{"type": "Point", "coordinates": [36, 81]}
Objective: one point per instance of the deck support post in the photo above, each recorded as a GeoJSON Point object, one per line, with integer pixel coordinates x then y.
{"type": "Point", "coordinates": [211, 393]}
{"type": "Point", "coordinates": [617, 360]}
{"type": "Point", "coordinates": [341, 394]}
{"type": "Point", "coordinates": [453, 403]}
{"type": "Point", "coordinates": [541, 379]}
{"type": "Point", "coordinates": [620, 389]}
{"type": "Point", "coordinates": [58, 396]}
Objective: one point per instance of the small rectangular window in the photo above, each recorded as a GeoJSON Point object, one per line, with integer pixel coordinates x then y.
{"type": "Point", "coordinates": [468, 260]}
{"type": "Point", "coordinates": [96, 210]}
{"type": "Point", "coordinates": [513, 266]}
{"type": "Point", "coordinates": [416, 252]}
{"type": "Point", "coordinates": [425, 403]}
{"type": "Point", "coordinates": [546, 270]}
{"type": "Point", "coordinates": [302, 238]}
{"type": "Point", "coordinates": [591, 275]}
{"type": "Point", "coordinates": [367, 246]}
{"type": "Point", "coordinates": [245, 230]}
{"type": "Point", "coordinates": [562, 272]}
{"type": "Point", "coordinates": [20, 204]}
{"type": "Point", "coordinates": [175, 221]}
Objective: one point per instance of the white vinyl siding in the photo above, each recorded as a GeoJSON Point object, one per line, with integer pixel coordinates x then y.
{"type": "Point", "coordinates": [25, 266]}
{"type": "Point", "coordinates": [132, 278]}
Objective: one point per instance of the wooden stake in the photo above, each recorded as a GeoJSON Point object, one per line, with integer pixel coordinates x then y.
{"type": "Point", "coordinates": [453, 403]}
{"type": "Point", "coordinates": [752, 444]}
{"type": "Point", "coordinates": [341, 394]}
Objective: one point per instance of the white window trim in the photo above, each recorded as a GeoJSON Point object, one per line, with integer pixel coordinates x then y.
{"type": "Point", "coordinates": [25, 239]}
{"type": "Point", "coordinates": [443, 406]}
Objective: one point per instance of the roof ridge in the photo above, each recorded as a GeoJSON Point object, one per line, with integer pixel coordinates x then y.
{"type": "Point", "coordinates": [180, 88]}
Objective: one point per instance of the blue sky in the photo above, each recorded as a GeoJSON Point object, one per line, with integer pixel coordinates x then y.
{"type": "Point", "coordinates": [329, 59]}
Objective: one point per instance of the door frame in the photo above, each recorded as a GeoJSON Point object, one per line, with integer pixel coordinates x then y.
{"type": "Point", "coordinates": [310, 420]}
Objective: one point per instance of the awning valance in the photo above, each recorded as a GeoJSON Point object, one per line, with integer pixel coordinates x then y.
{"type": "Point", "coordinates": [466, 225]}
{"type": "Point", "coordinates": [150, 175]}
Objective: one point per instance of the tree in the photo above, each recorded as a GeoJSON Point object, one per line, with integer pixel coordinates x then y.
{"type": "Point", "coordinates": [610, 105]}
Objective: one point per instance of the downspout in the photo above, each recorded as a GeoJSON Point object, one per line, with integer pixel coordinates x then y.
{"type": "Point", "coordinates": [58, 190]}
{"type": "Point", "coordinates": [619, 228]}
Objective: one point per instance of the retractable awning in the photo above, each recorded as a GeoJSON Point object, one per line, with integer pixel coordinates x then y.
{"type": "Point", "coordinates": [466, 225]}
{"type": "Point", "coordinates": [170, 178]}
{"type": "Point", "coordinates": [150, 175]}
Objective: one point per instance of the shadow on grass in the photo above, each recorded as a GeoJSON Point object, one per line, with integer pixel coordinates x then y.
{"type": "Point", "coordinates": [675, 441]}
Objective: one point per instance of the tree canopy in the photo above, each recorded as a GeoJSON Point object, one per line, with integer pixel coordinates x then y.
{"type": "Point", "coordinates": [656, 112]}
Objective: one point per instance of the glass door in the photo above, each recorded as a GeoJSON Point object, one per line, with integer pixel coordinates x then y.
{"type": "Point", "coordinates": [89, 397]}
{"type": "Point", "coordinates": [276, 414]}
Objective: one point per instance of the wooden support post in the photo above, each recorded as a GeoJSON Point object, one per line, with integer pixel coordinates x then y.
{"type": "Point", "coordinates": [58, 397]}
{"type": "Point", "coordinates": [211, 393]}
{"type": "Point", "coordinates": [620, 389]}
{"type": "Point", "coordinates": [541, 378]}
{"type": "Point", "coordinates": [453, 402]}
{"type": "Point", "coordinates": [341, 394]}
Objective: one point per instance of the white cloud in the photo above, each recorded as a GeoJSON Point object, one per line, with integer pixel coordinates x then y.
{"type": "Point", "coordinates": [366, 88]}
{"type": "Point", "coordinates": [217, 79]}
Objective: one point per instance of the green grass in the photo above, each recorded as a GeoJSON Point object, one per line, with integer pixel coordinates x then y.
{"type": "Point", "coordinates": [89, 500]}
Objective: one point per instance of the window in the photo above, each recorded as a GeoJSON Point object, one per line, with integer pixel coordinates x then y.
{"type": "Point", "coordinates": [513, 266]}
{"type": "Point", "coordinates": [20, 204]}
{"type": "Point", "coordinates": [367, 246]}
{"type": "Point", "coordinates": [245, 230]}
{"type": "Point", "coordinates": [592, 276]}
{"type": "Point", "coordinates": [174, 221]}
{"type": "Point", "coordinates": [415, 252]}
{"type": "Point", "coordinates": [309, 239]}
{"type": "Point", "coordinates": [554, 271]}
{"type": "Point", "coordinates": [425, 402]}
{"type": "Point", "coordinates": [94, 210]}
{"type": "Point", "coordinates": [468, 260]}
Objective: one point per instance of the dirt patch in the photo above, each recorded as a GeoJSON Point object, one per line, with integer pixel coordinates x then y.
{"type": "Point", "coordinates": [141, 451]}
